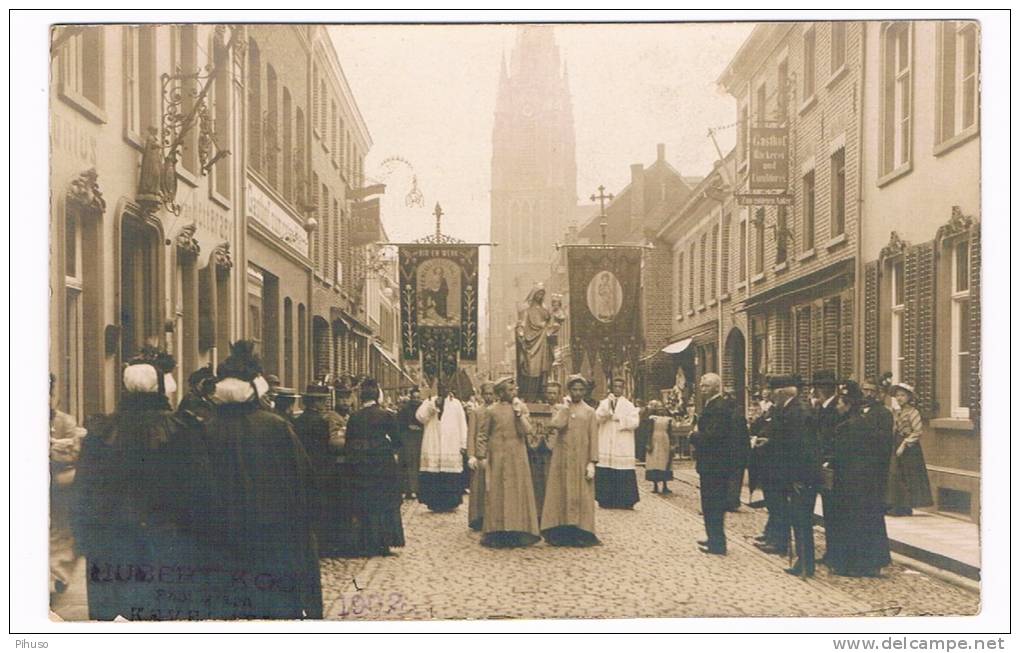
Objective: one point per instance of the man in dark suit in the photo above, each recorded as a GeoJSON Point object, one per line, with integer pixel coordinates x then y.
{"type": "Point", "coordinates": [798, 467]}
{"type": "Point", "coordinates": [826, 419]}
{"type": "Point", "coordinates": [718, 441]}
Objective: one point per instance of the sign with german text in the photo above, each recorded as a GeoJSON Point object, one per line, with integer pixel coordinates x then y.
{"type": "Point", "coordinates": [770, 163]}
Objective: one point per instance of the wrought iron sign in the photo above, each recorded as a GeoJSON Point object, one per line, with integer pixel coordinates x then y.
{"type": "Point", "coordinates": [158, 184]}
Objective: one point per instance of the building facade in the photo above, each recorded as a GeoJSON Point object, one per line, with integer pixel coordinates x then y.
{"type": "Point", "coordinates": [921, 249]}
{"type": "Point", "coordinates": [126, 268]}
{"type": "Point", "coordinates": [250, 238]}
{"type": "Point", "coordinates": [534, 181]}
{"type": "Point", "coordinates": [800, 298]}
{"type": "Point", "coordinates": [341, 335]}
{"type": "Point", "coordinates": [707, 247]}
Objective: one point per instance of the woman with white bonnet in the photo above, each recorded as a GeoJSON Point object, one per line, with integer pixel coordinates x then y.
{"type": "Point", "coordinates": [135, 503]}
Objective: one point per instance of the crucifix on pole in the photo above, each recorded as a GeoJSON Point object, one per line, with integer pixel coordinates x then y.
{"type": "Point", "coordinates": [602, 197]}
{"type": "Point", "coordinates": [438, 212]}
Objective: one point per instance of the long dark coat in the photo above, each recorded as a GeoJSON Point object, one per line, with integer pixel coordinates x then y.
{"type": "Point", "coordinates": [372, 477]}
{"type": "Point", "coordinates": [860, 454]}
{"type": "Point", "coordinates": [264, 516]}
{"type": "Point", "coordinates": [792, 450]}
{"type": "Point", "coordinates": [332, 512]}
{"type": "Point", "coordinates": [721, 440]}
{"type": "Point", "coordinates": [141, 485]}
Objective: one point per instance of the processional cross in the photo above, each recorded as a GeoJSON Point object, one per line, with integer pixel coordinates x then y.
{"type": "Point", "coordinates": [602, 197]}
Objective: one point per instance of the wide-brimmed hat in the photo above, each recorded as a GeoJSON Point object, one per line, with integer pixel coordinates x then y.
{"type": "Point", "coordinates": [823, 377]}
{"type": "Point", "coordinates": [785, 381]}
{"type": "Point", "coordinates": [284, 392]}
{"type": "Point", "coordinates": [906, 387]}
{"type": "Point", "coordinates": [316, 391]}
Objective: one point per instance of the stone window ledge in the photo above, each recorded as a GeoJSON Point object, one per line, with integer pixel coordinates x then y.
{"type": "Point", "coordinates": [952, 424]}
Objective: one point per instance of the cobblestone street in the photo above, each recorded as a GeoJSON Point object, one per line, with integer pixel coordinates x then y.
{"type": "Point", "coordinates": [648, 566]}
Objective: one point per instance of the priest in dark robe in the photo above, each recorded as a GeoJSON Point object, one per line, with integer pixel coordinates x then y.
{"type": "Point", "coordinates": [409, 455]}
{"type": "Point", "coordinates": [860, 454]}
{"type": "Point", "coordinates": [374, 479]}
{"type": "Point", "coordinates": [511, 518]}
{"type": "Point", "coordinates": [568, 512]}
{"type": "Point", "coordinates": [476, 500]}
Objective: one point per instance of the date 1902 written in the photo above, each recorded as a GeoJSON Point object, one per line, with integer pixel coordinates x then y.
{"type": "Point", "coordinates": [372, 604]}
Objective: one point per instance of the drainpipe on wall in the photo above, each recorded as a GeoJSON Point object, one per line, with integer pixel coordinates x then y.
{"type": "Point", "coordinates": [861, 160]}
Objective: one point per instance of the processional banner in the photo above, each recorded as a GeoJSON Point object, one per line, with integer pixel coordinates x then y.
{"type": "Point", "coordinates": [439, 306]}
{"type": "Point", "coordinates": [605, 308]}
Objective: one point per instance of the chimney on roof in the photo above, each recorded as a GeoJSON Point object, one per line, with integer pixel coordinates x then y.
{"type": "Point", "coordinates": [637, 192]}
{"type": "Point", "coordinates": [660, 152]}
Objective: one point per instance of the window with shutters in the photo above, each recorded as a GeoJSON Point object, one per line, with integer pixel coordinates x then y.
{"type": "Point", "coordinates": [743, 251]}
{"type": "Point", "coordinates": [831, 333]}
{"type": "Point", "coordinates": [782, 90]}
{"type": "Point", "coordinates": [742, 136]}
{"type": "Point", "coordinates": [759, 351]}
{"type": "Point", "coordinates": [680, 285]}
{"type": "Point", "coordinates": [271, 137]}
{"type": "Point", "coordinates": [82, 68]}
{"type": "Point", "coordinates": [759, 241]}
{"type": "Point", "coordinates": [802, 347]}
{"type": "Point", "coordinates": [321, 107]}
{"type": "Point", "coordinates": [896, 302]}
{"type": "Point", "coordinates": [809, 64]}
{"type": "Point", "coordinates": [724, 263]}
{"type": "Point", "coordinates": [334, 131]}
{"type": "Point", "coordinates": [222, 122]}
{"type": "Point", "coordinates": [315, 100]}
{"type": "Point", "coordinates": [701, 270]}
{"type": "Point", "coordinates": [782, 232]}
{"type": "Point", "coordinates": [324, 223]}
{"type": "Point", "coordinates": [960, 383]}
{"type": "Point", "coordinates": [185, 51]}
{"type": "Point", "coordinates": [809, 210]}
{"type": "Point", "coordinates": [254, 106]}
{"type": "Point", "coordinates": [837, 47]}
{"type": "Point", "coordinates": [713, 292]}
{"type": "Point", "coordinates": [837, 187]}
{"type": "Point", "coordinates": [690, 279]}
{"type": "Point", "coordinates": [897, 97]}
{"type": "Point", "coordinates": [957, 85]}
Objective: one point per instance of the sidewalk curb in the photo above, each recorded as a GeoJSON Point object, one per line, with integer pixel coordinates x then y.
{"type": "Point", "coordinates": [938, 566]}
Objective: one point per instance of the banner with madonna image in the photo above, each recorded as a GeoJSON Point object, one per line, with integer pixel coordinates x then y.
{"type": "Point", "coordinates": [605, 311]}
{"type": "Point", "coordinates": [439, 306]}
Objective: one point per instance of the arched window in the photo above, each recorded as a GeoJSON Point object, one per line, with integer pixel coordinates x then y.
{"type": "Point", "coordinates": [254, 106]}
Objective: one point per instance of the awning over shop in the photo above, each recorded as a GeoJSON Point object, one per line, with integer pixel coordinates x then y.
{"type": "Point", "coordinates": [406, 380]}
{"type": "Point", "coordinates": [678, 346]}
{"type": "Point", "coordinates": [351, 322]}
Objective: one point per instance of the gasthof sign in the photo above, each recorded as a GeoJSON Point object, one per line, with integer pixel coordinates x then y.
{"type": "Point", "coordinates": [770, 163]}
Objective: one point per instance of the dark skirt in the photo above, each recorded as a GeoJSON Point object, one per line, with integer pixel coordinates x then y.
{"type": "Point", "coordinates": [374, 532]}
{"type": "Point", "coordinates": [538, 460]}
{"type": "Point", "coordinates": [440, 491]}
{"type": "Point", "coordinates": [615, 488]}
{"type": "Point", "coordinates": [569, 536]}
{"type": "Point", "coordinates": [508, 539]}
{"type": "Point", "coordinates": [858, 544]}
{"type": "Point", "coordinates": [409, 458]}
{"type": "Point", "coordinates": [658, 475]}
{"type": "Point", "coordinates": [908, 485]}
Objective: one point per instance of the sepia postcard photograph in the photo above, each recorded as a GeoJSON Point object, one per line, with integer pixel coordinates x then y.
{"type": "Point", "coordinates": [515, 319]}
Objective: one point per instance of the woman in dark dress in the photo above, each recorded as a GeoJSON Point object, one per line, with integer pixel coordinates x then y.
{"type": "Point", "coordinates": [139, 486]}
{"type": "Point", "coordinates": [908, 485]}
{"type": "Point", "coordinates": [372, 476]}
{"type": "Point", "coordinates": [859, 543]}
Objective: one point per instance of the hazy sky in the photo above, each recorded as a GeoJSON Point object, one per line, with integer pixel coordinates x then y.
{"type": "Point", "coordinates": [428, 94]}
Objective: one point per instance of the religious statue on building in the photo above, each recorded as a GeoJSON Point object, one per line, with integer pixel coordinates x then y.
{"type": "Point", "coordinates": [534, 355]}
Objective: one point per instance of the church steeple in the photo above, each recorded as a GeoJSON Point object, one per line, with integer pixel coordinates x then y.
{"type": "Point", "coordinates": [534, 176]}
